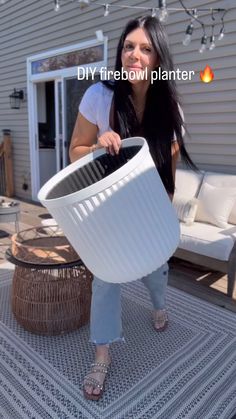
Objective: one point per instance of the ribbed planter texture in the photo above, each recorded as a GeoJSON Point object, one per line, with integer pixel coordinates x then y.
{"type": "Point", "coordinates": [115, 212]}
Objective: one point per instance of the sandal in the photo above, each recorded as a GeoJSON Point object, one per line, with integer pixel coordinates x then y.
{"type": "Point", "coordinates": [160, 320]}
{"type": "Point", "coordinates": [100, 367]}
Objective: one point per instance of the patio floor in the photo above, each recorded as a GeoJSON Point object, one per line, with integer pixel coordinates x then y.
{"type": "Point", "coordinates": [188, 368]}
{"type": "Point", "coordinates": [198, 281]}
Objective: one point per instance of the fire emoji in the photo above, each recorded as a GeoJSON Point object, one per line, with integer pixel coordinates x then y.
{"type": "Point", "coordinates": [207, 74]}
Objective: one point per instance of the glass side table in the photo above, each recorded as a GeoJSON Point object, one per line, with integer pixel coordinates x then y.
{"type": "Point", "coordinates": [10, 214]}
{"type": "Point", "coordinates": [50, 300]}
{"type": "Point", "coordinates": [51, 289]}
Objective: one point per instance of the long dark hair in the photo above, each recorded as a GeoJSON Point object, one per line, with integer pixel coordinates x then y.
{"type": "Point", "coordinates": [162, 117]}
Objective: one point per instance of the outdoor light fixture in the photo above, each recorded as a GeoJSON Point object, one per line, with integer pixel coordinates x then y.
{"type": "Point", "coordinates": [203, 44]}
{"type": "Point", "coordinates": [188, 35]}
{"type": "Point", "coordinates": [212, 43]}
{"type": "Point", "coordinates": [222, 34]}
{"type": "Point", "coordinates": [154, 12]}
{"type": "Point", "coordinates": [15, 98]}
{"type": "Point", "coordinates": [163, 12]}
{"type": "Point", "coordinates": [106, 10]}
{"type": "Point", "coordinates": [57, 5]}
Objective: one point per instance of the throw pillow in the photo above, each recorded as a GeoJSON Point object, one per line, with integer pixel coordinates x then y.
{"type": "Point", "coordinates": [185, 208]}
{"type": "Point", "coordinates": [215, 204]}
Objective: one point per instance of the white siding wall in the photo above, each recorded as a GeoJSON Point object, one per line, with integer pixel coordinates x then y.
{"type": "Point", "coordinates": [29, 27]}
{"type": "Point", "coordinates": [210, 109]}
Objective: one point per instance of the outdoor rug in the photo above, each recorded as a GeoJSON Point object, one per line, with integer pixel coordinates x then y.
{"type": "Point", "coordinates": [188, 371]}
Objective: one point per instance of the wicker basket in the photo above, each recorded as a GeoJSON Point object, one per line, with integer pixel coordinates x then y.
{"type": "Point", "coordinates": [51, 301]}
{"type": "Point", "coordinates": [43, 245]}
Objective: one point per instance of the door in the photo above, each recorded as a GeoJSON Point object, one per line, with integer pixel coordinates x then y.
{"type": "Point", "coordinates": [57, 109]}
{"type": "Point", "coordinates": [60, 135]}
{"type": "Point", "coordinates": [46, 131]}
{"type": "Point", "coordinates": [73, 93]}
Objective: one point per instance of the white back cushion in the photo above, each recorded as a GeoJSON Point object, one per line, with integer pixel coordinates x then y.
{"type": "Point", "coordinates": [222, 180]}
{"type": "Point", "coordinates": [215, 204]}
{"type": "Point", "coordinates": [187, 183]}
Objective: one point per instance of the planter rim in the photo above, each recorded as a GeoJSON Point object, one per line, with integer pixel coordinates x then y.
{"type": "Point", "coordinates": [98, 186]}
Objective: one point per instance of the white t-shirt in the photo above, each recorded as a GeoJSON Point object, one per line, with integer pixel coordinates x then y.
{"type": "Point", "coordinates": [96, 104]}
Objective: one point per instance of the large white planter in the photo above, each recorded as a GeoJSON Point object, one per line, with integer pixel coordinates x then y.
{"type": "Point", "coordinates": [115, 212]}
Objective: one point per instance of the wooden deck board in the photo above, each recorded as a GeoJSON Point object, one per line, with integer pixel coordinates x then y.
{"type": "Point", "coordinates": [198, 281]}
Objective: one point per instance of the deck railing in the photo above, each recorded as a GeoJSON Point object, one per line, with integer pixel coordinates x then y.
{"type": "Point", "coordinates": [6, 166]}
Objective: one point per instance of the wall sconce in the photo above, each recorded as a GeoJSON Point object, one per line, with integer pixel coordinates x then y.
{"type": "Point", "coordinates": [15, 98]}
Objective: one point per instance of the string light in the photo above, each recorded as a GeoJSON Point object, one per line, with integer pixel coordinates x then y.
{"type": "Point", "coordinates": [221, 35]}
{"type": "Point", "coordinates": [222, 30]}
{"type": "Point", "coordinates": [212, 43]}
{"type": "Point", "coordinates": [188, 35]}
{"type": "Point", "coordinates": [203, 44]}
{"type": "Point", "coordinates": [106, 10]}
{"type": "Point", "coordinates": [154, 12]}
{"type": "Point", "coordinates": [163, 12]}
{"type": "Point", "coordinates": [195, 13]}
{"type": "Point", "coordinates": [212, 38]}
{"type": "Point", "coordinates": [57, 5]}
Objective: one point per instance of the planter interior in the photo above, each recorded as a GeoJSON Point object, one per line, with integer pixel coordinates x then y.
{"type": "Point", "coordinates": [92, 172]}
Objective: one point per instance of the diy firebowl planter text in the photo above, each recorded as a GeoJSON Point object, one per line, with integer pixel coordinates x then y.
{"type": "Point", "coordinates": [115, 212]}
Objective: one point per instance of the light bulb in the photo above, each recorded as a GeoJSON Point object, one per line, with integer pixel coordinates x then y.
{"type": "Point", "coordinates": [222, 34]}
{"type": "Point", "coordinates": [56, 5]}
{"type": "Point", "coordinates": [195, 13]}
{"type": "Point", "coordinates": [187, 40]}
{"type": "Point", "coordinates": [106, 11]}
{"type": "Point", "coordinates": [154, 12]}
{"type": "Point", "coordinates": [163, 12]}
{"type": "Point", "coordinates": [163, 15]}
{"type": "Point", "coordinates": [188, 35]}
{"type": "Point", "coordinates": [212, 43]}
{"type": "Point", "coordinates": [203, 44]}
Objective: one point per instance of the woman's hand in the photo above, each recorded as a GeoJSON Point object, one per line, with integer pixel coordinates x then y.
{"type": "Point", "coordinates": [111, 141]}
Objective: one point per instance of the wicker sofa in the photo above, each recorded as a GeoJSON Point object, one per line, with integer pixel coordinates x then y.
{"type": "Point", "coordinates": [208, 238]}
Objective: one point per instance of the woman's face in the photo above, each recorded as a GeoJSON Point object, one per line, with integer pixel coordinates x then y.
{"type": "Point", "coordinates": [138, 55]}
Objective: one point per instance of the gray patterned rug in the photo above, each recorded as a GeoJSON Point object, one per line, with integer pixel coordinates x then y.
{"type": "Point", "coordinates": [188, 371]}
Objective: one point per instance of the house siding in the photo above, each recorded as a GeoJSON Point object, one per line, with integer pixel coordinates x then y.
{"type": "Point", "coordinates": [29, 27]}
{"type": "Point", "coordinates": [209, 109]}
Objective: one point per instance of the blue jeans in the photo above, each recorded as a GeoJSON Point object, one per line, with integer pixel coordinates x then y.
{"type": "Point", "coordinates": [105, 318]}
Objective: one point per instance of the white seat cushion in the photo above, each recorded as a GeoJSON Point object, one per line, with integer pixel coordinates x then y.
{"type": "Point", "coordinates": [208, 240]}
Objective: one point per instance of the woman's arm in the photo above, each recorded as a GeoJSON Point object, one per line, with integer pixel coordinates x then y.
{"type": "Point", "coordinates": [83, 139]}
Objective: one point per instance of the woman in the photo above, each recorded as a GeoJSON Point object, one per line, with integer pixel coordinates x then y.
{"type": "Point", "coordinates": [109, 112]}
